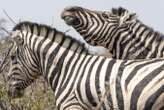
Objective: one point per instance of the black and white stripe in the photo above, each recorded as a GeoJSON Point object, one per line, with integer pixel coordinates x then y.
{"type": "Point", "coordinates": [78, 79]}
{"type": "Point", "coordinates": [119, 31]}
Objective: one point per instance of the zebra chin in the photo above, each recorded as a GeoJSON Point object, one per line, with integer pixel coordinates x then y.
{"type": "Point", "coordinates": [15, 92]}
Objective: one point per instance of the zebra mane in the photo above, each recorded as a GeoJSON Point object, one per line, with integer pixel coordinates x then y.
{"type": "Point", "coordinates": [124, 15]}
{"type": "Point", "coordinates": [40, 29]}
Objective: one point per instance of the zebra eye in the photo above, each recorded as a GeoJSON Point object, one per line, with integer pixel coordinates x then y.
{"type": "Point", "coordinates": [12, 57]}
{"type": "Point", "coordinates": [105, 15]}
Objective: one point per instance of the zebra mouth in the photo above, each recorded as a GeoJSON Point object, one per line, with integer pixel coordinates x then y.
{"type": "Point", "coordinates": [69, 18]}
{"type": "Point", "coordinates": [15, 93]}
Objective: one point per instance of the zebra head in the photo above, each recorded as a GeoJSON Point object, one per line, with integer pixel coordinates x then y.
{"type": "Point", "coordinates": [96, 26]}
{"type": "Point", "coordinates": [23, 70]}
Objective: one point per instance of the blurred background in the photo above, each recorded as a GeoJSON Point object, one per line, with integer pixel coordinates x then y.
{"type": "Point", "coordinates": [48, 11]}
{"type": "Point", "coordinates": [39, 96]}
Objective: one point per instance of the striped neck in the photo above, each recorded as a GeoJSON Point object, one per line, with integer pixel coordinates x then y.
{"type": "Point", "coordinates": [137, 36]}
{"type": "Point", "coordinates": [50, 47]}
{"type": "Point", "coordinates": [142, 31]}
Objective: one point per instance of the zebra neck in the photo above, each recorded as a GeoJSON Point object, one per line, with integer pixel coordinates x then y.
{"type": "Point", "coordinates": [54, 52]}
{"type": "Point", "coordinates": [60, 66]}
{"type": "Point", "coordinates": [54, 56]}
{"type": "Point", "coordinates": [137, 38]}
{"type": "Point", "coordinates": [142, 32]}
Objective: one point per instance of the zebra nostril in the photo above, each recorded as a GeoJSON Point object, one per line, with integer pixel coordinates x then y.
{"type": "Point", "coordinates": [70, 17]}
{"type": "Point", "coordinates": [73, 8]}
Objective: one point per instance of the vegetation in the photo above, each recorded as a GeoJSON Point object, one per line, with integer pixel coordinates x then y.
{"type": "Point", "coordinates": [37, 97]}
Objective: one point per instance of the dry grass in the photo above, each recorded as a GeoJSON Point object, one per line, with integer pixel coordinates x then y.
{"type": "Point", "coordinates": [37, 97]}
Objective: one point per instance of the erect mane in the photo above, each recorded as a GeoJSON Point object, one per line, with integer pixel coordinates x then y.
{"type": "Point", "coordinates": [125, 16]}
{"type": "Point", "coordinates": [43, 30]}
{"type": "Point", "coordinates": [129, 16]}
{"type": "Point", "coordinates": [118, 11]}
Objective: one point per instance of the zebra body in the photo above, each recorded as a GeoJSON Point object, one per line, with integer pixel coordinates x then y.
{"type": "Point", "coordinates": [80, 80]}
{"type": "Point", "coordinates": [119, 31]}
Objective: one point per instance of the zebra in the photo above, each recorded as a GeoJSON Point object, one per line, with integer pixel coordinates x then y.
{"type": "Point", "coordinates": [78, 79]}
{"type": "Point", "coordinates": [119, 31]}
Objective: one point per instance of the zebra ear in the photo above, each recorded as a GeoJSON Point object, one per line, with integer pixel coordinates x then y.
{"type": "Point", "coordinates": [119, 11]}
{"type": "Point", "coordinates": [127, 17]}
{"type": "Point", "coordinates": [132, 16]}
{"type": "Point", "coordinates": [115, 11]}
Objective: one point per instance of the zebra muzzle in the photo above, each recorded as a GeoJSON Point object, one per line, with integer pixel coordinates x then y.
{"type": "Point", "coordinates": [69, 17]}
{"type": "Point", "coordinates": [15, 92]}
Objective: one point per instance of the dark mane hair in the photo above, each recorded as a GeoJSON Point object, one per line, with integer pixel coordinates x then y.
{"type": "Point", "coordinates": [31, 27]}
{"type": "Point", "coordinates": [119, 11]}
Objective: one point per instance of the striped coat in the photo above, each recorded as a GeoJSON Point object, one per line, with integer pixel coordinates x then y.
{"type": "Point", "coordinates": [119, 31]}
{"type": "Point", "coordinates": [80, 80]}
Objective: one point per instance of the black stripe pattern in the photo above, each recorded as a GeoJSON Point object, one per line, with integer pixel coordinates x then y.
{"type": "Point", "coordinates": [80, 80]}
{"type": "Point", "coordinates": [120, 31]}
